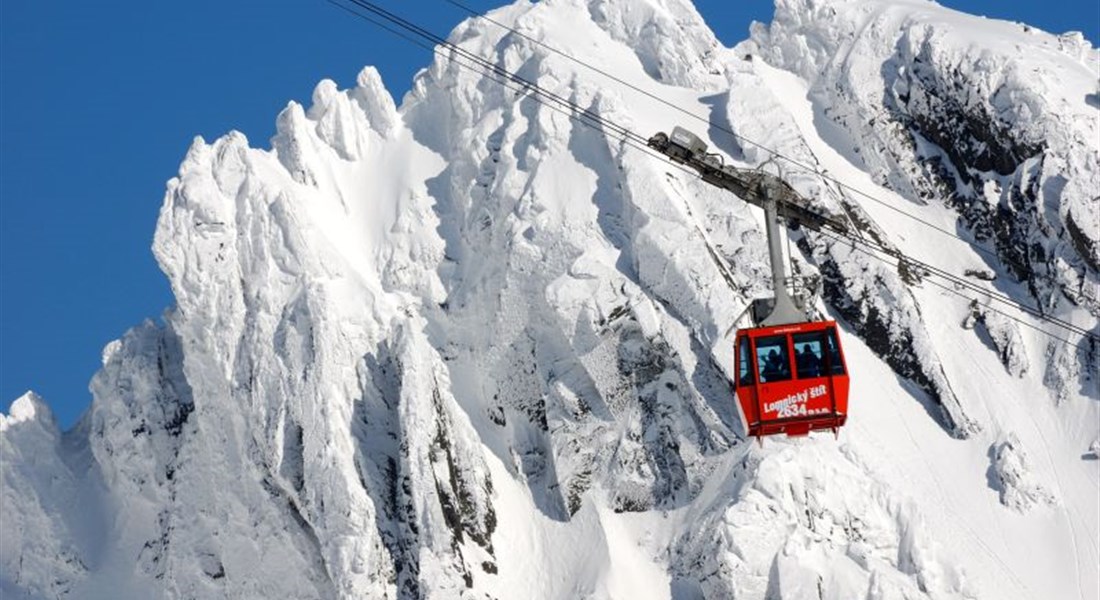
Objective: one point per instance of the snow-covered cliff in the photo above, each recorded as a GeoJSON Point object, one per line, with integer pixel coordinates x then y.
{"type": "Point", "coordinates": [469, 347]}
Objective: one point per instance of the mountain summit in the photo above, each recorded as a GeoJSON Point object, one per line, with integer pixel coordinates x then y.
{"type": "Point", "coordinates": [470, 347]}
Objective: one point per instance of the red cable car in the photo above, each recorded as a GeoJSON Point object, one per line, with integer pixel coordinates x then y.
{"type": "Point", "coordinates": [791, 378]}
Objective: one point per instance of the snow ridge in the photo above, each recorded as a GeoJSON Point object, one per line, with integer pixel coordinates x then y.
{"type": "Point", "coordinates": [470, 348]}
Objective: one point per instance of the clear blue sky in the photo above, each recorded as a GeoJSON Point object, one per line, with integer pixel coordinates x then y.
{"type": "Point", "coordinates": [100, 100]}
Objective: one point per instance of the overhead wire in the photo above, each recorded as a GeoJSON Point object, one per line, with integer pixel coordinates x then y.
{"type": "Point", "coordinates": [962, 282]}
{"type": "Point", "coordinates": [381, 24]}
{"type": "Point", "coordinates": [561, 105]}
{"type": "Point", "coordinates": [776, 154]}
{"type": "Point", "coordinates": [870, 252]}
{"type": "Point", "coordinates": [583, 117]}
{"type": "Point", "coordinates": [624, 135]}
{"type": "Point", "coordinates": [737, 136]}
{"type": "Point", "coordinates": [492, 67]}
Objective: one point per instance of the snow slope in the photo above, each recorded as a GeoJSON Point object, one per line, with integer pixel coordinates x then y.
{"type": "Point", "coordinates": [469, 347]}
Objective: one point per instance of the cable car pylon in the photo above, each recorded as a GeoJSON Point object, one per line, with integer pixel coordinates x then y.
{"type": "Point", "coordinates": [791, 376]}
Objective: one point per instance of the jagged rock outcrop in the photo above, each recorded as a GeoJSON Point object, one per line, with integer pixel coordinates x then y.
{"type": "Point", "coordinates": [469, 347]}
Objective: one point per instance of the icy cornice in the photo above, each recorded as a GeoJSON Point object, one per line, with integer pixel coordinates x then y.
{"type": "Point", "coordinates": [29, 408]}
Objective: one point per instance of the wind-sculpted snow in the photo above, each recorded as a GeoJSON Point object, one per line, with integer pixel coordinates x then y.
{"type": "Point", "coordinates": [794, 526]}
{"type": "Point", "coordinates": [648, 27]}
{"type": "Point", "coordinates": [1011, 471]}
{"type": "Point", "coordinates": [473, 348]}
{"type": "Point", "coordinates": [1002, 334]}
{"type": "Point", "coordinates": [38, 549]}
{"type": "Point", "coordinates": [993, 119]}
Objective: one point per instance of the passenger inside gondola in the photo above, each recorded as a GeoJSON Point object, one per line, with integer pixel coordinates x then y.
{"type": "Point", "coordinates": [772, 359]}
{"type": "Point", "coordinates": [808, 361]}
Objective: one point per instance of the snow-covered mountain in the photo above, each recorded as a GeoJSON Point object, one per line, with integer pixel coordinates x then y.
{"type": "Point", "coordinates": [470, 348]}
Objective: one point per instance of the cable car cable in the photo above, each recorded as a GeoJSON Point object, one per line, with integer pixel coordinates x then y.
{"type": "Point", "coordinates": [383, 25]}
{"type": "Point", "coordinates": [943, 274]}
{"type": "Point", "coordinates": [871, 253]}
{"type": "Point", "coordinates": [538, 93]}
{"type": "Point", "coordinates": [571, 109]}
{"type": "Point", "coordinates": [936, 271]}
{"type": "Point", "coordinates": [497, 70]}
{"type": "Point", "coordinates": [739, 137]}
{"type": "Point", "coordinates": [626, 136]}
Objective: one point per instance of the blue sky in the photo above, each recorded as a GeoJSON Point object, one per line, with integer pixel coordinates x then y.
{"type": "Point", "coordinates": [99, 102]}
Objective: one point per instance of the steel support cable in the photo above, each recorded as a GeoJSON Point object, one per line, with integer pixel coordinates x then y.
{"type": "Point", "coordinates": [1007, 316]}
{"type": "Point", "coordinates": [996, 296]}
{"type": "Point", "coordinates": [590, 119]}
{"type": "Point", "coordinates": [586, 118]}
{"type": "Point", "coordinates": [384, 26]}
{"type": "Point", "coordinates": [737, 136]}
{"type": "Point", "coordinates": [536, 93]}
{"type": "Point", "coordinates": [486, 64]}
{"type": "Point", "coordinates": [869, 251]}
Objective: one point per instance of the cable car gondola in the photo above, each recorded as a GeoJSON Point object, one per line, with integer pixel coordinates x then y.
{"type": "Point", "coordinates": [791, 376]}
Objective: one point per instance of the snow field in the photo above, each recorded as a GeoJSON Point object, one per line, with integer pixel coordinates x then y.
{"type": "Point", "coordinates": [470, 348]}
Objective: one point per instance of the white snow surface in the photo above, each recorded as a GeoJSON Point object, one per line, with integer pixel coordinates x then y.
{"type": "Point", "coordinates": [470, 348]}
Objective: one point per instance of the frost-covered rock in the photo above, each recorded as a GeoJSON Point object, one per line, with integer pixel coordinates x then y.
{"type": "Point", "coordinates": [1003, 334]}
{"type": "Point", "coordinates": [992, 118]}
{"type": "Point", "coordinates": [796, 526]}
{"type": "Point", "coordinates": [469, 347]}
{"type": "Point", "coordinates": [40, 554]}
{"type": "Point", "coordinates": [1015, 481]}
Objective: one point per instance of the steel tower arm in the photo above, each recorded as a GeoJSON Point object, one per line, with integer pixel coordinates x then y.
{"type": "Point", "coordinates": [767, 191]}
{"type": "Point", "coordinates": [752, 186]}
